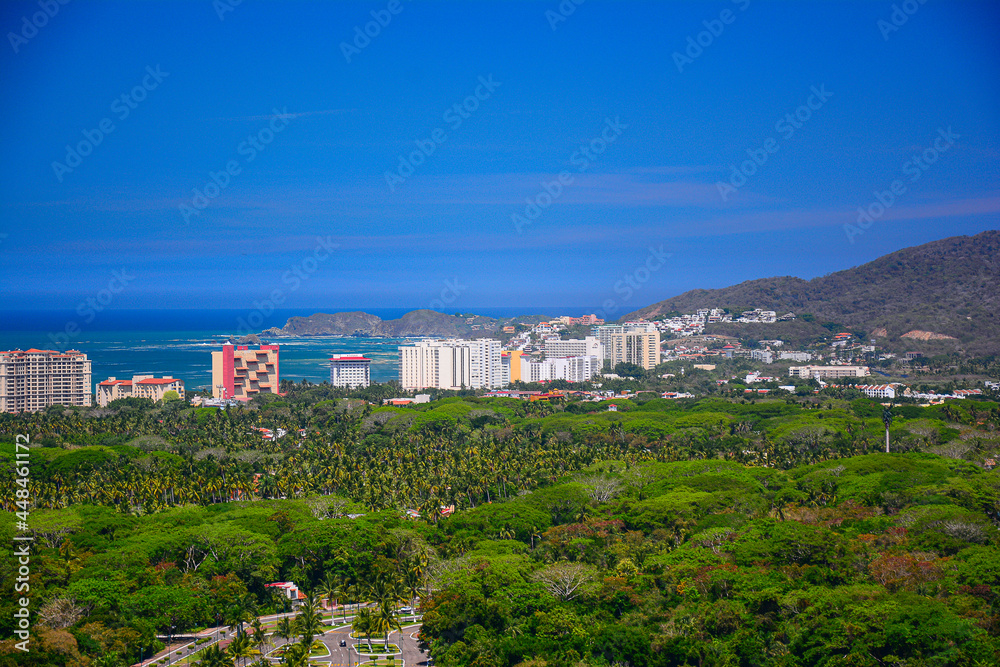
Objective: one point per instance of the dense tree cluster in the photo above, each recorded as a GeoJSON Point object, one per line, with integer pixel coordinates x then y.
{"type": "Point", "coordinates": [712, 532]}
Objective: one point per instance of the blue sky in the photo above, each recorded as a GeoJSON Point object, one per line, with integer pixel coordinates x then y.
{"type": "Point", "coordinates": [664, 131]}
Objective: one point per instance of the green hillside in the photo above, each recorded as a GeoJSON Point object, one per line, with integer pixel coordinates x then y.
{"type": "Point", "coordinates": [946, 287]}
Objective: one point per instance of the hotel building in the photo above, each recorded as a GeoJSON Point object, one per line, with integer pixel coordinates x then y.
{"type": "Point", "coordinates": [588, 347]}
{"type": "Point", "coordinates": [486, 371]}
{"type": "Point", "coordinates": [633, 342]}
{"type": "Point", "coordinates": [242, 373]}
{"type": "Point", "coordinates": [350, 370]}
{"type": "Point", "coordinates": [32, 380]}
{"type": "Point", "coordinates": [574, 369]}
{"type": "Point", "coordinates": [824, 372]}
{"type": "Point", "coordinates": [451, 364]}
{"type": "Point", "coordinates": [140, 386]}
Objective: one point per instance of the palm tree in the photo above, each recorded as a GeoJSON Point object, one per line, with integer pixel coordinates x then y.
{"type": "Point", "coordinates": [297, 656]}
{"type": "Point", "coordinates": [108, 660]}
{"type": "Point", "coordinates": [284, 629]}
{"type": "Point", "coordinates": [363, 624]}
{"type": "Point", "coordinates": [259, 636]}
{"type": "Point", "coordinates": [387, 621]}
{"type": "Point", "coordinates": [241, 611]}
{"type": "Point", "coordinates": [330, 588]}
{"type": "Point", "coordinates": [241, 648]}
{"type": "Point", "coordinates": [213, 656]}
{"type": "Point", "coordinates": [309, 622]}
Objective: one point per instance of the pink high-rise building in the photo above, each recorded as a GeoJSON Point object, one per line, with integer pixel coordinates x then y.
{"type": "Point", "coordinates": [242, 373]}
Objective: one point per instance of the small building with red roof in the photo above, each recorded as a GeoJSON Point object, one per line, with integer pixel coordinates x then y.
{"type": "Point", "coordinates": [140, 386]}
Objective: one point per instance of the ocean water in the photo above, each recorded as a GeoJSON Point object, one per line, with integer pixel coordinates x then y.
{"type": "Point", "coordinates": [187, 355]}
{"type": "Point", "coordinates": [179, 343]}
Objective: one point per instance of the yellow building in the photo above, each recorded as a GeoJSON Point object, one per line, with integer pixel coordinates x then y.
{"type": "Point", "coordinates": [512, 365]}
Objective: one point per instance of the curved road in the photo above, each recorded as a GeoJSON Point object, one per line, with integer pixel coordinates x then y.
{"type": "Point", "coordinates": [339, 656]}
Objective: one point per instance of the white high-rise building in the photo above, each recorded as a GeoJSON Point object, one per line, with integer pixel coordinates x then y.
{"type": "Point", "coordinates": [588, 347]}
{"type": "Point", "coordinates": [350, 370]}
{"type": "Point", "coordinates": [435, 364]}
{"type": "Point", "coordinates": [574, 369]}
{"type": "Point", "coordinates": [486, 371]}
{"type": "Point", "coordinates": [451, 364]}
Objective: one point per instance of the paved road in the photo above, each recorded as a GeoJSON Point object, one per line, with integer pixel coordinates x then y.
{"type": "Point", "coordinates": [188, 646]}
{"type": "Point", "coordinates": [341, 656]}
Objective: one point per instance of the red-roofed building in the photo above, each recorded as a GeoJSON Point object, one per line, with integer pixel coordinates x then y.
{"type": "Point", "coordinates": [31, 380]}
{"type": "Point", "coordinates": [288, 590]}
{"type": "Point", "coordinates": [877, 390]}
{"type": "Point", "coordinates": [140, 386]}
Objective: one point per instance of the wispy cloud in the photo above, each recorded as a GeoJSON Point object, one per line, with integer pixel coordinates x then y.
{"type": "Point", "coordinates": [290, 114]}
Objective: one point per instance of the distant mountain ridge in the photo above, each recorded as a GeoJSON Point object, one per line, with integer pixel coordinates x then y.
{"type": "Point", "coordinates": [949, 287]}
{"type": "Point", "coordinates": [414, 323]}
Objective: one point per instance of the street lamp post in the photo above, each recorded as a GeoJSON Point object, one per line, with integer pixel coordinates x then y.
{"type": "Point", "coordinates": [887, 420]}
